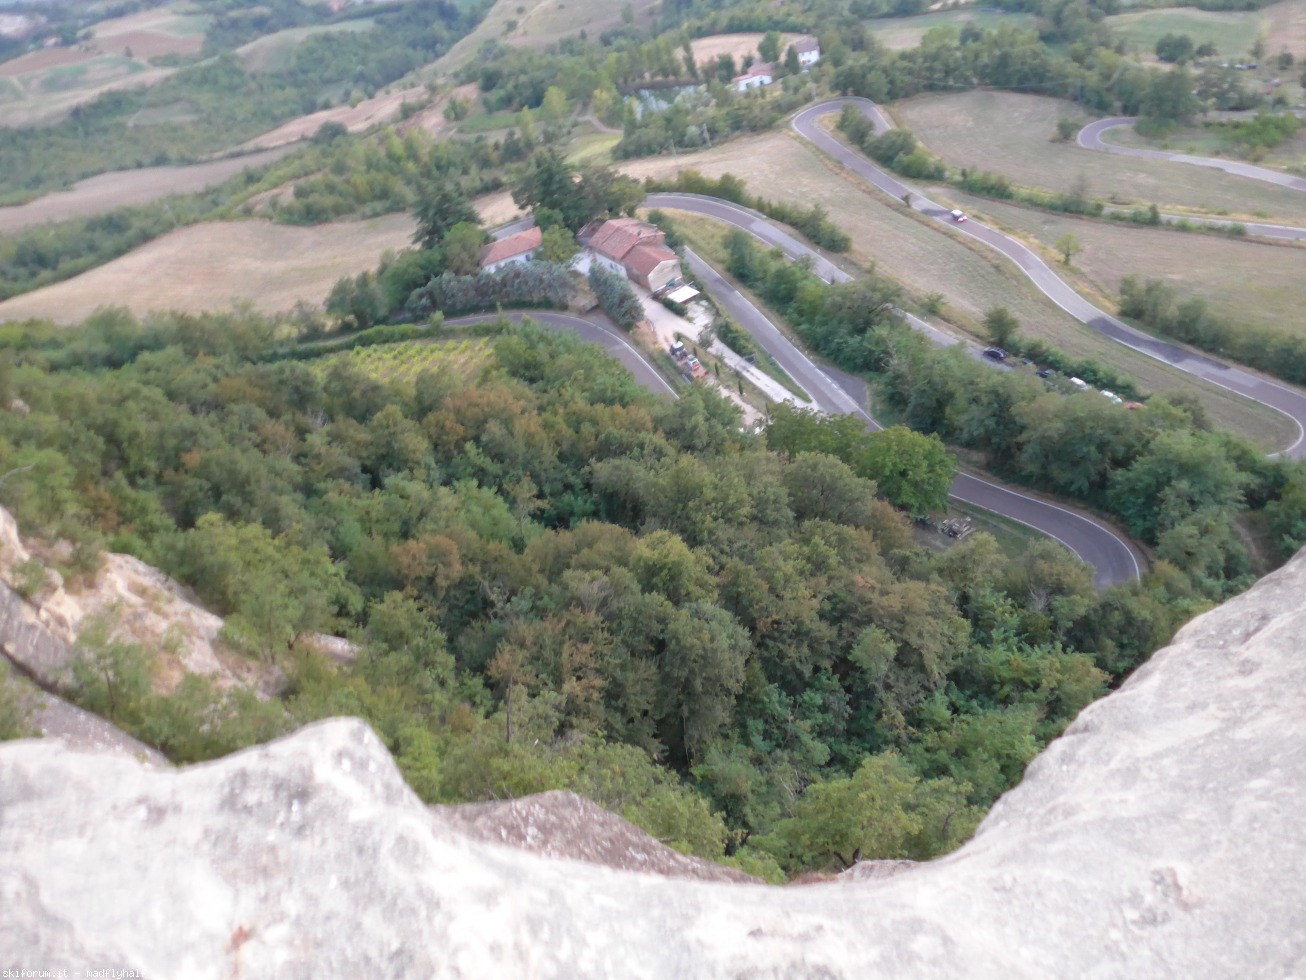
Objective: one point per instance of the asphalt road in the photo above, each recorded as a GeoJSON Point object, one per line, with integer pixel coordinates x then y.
{"type": "Point", "coordinates": [1112, 556]}
{"type": "Point", "coordinates": [596, 332]}
{"type": "Point", "coordinates": [1284, 398]}
{"type": "Point", "coordinates": [1090, 138]}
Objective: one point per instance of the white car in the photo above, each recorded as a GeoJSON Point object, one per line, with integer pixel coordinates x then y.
{"type": "Point", "coordinates": [957, 215]}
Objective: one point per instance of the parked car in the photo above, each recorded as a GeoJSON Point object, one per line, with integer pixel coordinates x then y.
{"type": "Point", "coordinates": [679, 351]}
{"type": "Point", "coordinates": [1045, 373]}
{"type": "Point", "coordinates": [1112, 397]}
{"type": "Point", "coordinates": [1079, 383]}
{"type": "Point", "coordinates": [997, 353]}
{"type": "Point", "coordinates": [957, 215]}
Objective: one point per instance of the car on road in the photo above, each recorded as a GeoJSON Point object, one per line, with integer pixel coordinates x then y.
{"type": "Point", "coordinates": [957, 215]}
{"type": "Point", "coordinates": [997, 353]}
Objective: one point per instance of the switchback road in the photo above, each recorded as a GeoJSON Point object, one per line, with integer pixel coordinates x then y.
{"type": "Point", "coordinates": [1112, 555]}
{"type": "Point", "coordinates": [1276, 395]}
{"type": "Point", "coordinates": [1090, 138]}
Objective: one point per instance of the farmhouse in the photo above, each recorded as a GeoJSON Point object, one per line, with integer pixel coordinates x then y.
{"type": "Point", "coordinates": [809, 51]}
{"type": "Point", "coordinates": [633, 249]}
{"type": "Point", "coordinates": [761, 73]}
{"type": "Point", "coordinates": [513, 249]}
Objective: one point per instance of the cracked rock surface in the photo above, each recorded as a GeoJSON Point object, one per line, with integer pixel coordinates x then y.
{"type": "Point", "coordinates": [1164, 835]}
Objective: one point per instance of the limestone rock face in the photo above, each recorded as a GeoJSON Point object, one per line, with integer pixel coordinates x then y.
{"type": "Point", "coordinates": [564, 825]}
{"type": "Point", "coordinates": [1164, 835]}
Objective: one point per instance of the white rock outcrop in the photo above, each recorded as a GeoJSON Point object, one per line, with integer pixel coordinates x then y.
{"type": "Point", "coordinates": [1164, 835]}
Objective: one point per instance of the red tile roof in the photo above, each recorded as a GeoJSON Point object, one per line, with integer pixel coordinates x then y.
{"type": "Point", "coordinates": [618, 236]}
{"type": "Point", "coordinates": [512, 246]}
{"type": "Point", "coordinates": [759, 69]}
{"type": "Point", "coordinates": [643, 259]}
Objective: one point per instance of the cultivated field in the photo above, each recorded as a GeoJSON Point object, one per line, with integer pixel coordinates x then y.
{"type": "Point", "coordinates": [926, 259]}
{"type": "Point", "coordinates": [902, 33]}
{"type": "Point", "coordinates": [211, 266]}
{"type": "Point", "coordinates": [403, 362]}
{"type": "Point", "coordinates": [45, 84]}
{"type": "Point", "coordinates": [1245, 281]}
{"type": "Point", "coordinates": [128, 188]}
{"type": "Point", "coordinates": [276, 52]}
{"type": "Point", "coordinates": [1011, 134]}
{"type": "Point", "coordinates": [368, 113]}
{"type": "Point", "coordinates": [1232, 32]}
{"type": "Point", "coordinates": [537, 24]}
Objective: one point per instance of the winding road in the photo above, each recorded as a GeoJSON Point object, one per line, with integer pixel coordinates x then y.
{"type": "Point", "coordinates": [1283, 398]}
{"type": "Point", "coordinates": [1114, 557]}
{"type": "Point", "coordinates": [1090, 138]}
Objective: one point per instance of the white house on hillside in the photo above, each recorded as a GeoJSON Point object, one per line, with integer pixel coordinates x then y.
{"type": "Point", "coordinates": [514, 249]}
{"type": "Point", "coordinates": [761, 73]}
{"type": "Point", "coordinates": [809, 51]}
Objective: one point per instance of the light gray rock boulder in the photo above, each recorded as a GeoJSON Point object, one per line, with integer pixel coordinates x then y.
{"type": "Point", "coordinates": [1164, 835]}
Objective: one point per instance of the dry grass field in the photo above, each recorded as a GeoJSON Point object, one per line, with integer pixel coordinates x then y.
{"type": "Point", "coordinates": [128, 188]}
{"type": "Point", "coordinates": [211, 266]}
{"type": "Point", "coordinates": [1284, 25]}
{"type": "Point", "coordinates": [902, 33]}
{"type": "Point", "coordinates": [1011, 134]}
{"type": "Point", "coordinates": [926, 259]}
{"type": "Point", "coordinates": [368, 113]}
{"type": "Point", "coordinates": [1245, 281]}
{"type": "Point", "coordinates": [738, 46]}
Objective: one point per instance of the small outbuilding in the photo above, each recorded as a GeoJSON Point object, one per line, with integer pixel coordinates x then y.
{"type": "Point", "coordinates": [518, 248]}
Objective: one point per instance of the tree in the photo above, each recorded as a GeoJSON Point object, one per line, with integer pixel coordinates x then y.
{"type": "Point", "coordinates": [461, 248]}
{"type": "Point", "coordinates": [557, 245]}
{"type": "Point", "coordinates": [769, 47]}
{"type": "Point", "coordinates": [1175, 48]}
{"type": "Point", "coordinates": [1169, 97]}
{"type": "Point", "coordinates": [792, 63]}
{"type": "Point", "coordinates": [1068, 245]}
{"type": "Point", "coordinates": [702, 672]}
{"type": "Point", "coordinates": [883, 810]}
{"type": "Point", "coordinates": [554, 111]}
{"type": "Point", "coordinates": [1000, 325]}
{"type": "Point", "coordinates": [913, 471]}
{"type": "Point", "coordinates": [616, 297]}
{"type": "Point", "coordinates": [441, 204]}
{"type": "Point", "coordinates": [1066, 128]}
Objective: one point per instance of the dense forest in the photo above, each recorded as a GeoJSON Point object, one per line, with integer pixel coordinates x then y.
{"type": "Point", "coordinates": [558, 580]}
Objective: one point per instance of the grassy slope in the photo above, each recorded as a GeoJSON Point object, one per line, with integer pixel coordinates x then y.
{"type": "Point", "coordinates": [1232, 32]}
{"type": "Point", "coordinates": [1011, 134]}
{"type": "Point", "coordinates": [901, 33]}
{"type": "Point", "coordinates": [926, 259]}
{"type": "Point", "coordinates": [1214, 268]}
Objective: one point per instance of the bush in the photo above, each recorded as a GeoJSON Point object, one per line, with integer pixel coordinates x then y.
{"type": "Point", "coordinates": [616, 297]}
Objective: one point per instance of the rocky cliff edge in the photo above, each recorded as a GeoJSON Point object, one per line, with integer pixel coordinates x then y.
{"type": "Point", "coordinates": [1164, 835]}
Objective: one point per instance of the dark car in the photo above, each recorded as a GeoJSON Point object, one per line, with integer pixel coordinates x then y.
{"type": "Point", "coordinates": [997, 353]}
{"type": "Point", "coordinates": [1045, 373]}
